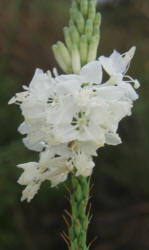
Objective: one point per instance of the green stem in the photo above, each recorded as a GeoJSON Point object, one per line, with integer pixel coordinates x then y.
{"type": "Point", "coordinates": [80, 218]}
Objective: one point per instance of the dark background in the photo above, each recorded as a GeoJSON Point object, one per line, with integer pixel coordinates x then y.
{"type": "Point", "coordinates": [121, 177]}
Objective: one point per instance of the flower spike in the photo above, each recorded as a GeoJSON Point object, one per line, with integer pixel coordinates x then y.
{"type": "Point", "coordinates": [83, 21]}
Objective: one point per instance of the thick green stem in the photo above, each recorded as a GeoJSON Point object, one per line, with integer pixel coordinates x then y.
{"type": "Point", "coordinates": [80, 218]}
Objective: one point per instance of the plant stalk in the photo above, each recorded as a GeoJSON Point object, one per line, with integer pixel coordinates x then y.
{"type": "Point", "coordinates": [80, 217]}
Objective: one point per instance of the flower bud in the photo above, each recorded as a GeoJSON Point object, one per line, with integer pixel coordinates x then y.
{"type": "Point", "coordinates": [97, 19]}
{"type": "Point", "coordinates": [73, 10]}
{"type": "Point", "coordinates": [83, 49]}
{"type": "Point", "coordinates": [71, 22]}
{"type": "Point", "coordinates": [76, 63]}
{"type": "Point", "coordinates": [75, 37]}
{"type": "Point", "coordinates": [89, 29]}
{"type": "Point", "coordinates": [59, 58]}
{"type": "Point", "coordinates": [67, 38]}
{"type": "Point", "coordinates": [84, 7]}
{"type": "Point", "coordinates": [80, 21]}
{"type": "Point", "coordinates": [93, 48]}
{"type": "Point", "coordinates": [92, 9]}
{"type": "Point", "coordinates": [65, 54]}
{"type": "Point", "coordinates": [97, 23]}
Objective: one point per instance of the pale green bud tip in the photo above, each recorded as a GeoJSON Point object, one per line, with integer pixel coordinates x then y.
{"type": "Point", "coordinates": [83, 39]}
{"type": "Point", "coordinates": [83, 49]}
{"type": "Point", "coordinates": [59, 58]}
{"type": "Point", "coordinates": [67, 37]}
{"type": "Point", "coordinates": [76, 63]}
{"type": "Point", "coordinates": [65, 53]}
{"type": "Point", "coordinates": [73, 10]}
{"type": "Point", "coordinates": [84, 7]}
{"type": "Point", "coordinates": [73, 13]}
{"type": "Point", "coordinates": [74, 4]}
{"type": "Point", "coordinates": [92, 9]}
{"type": "Point", "coordinates": [80, 22]}
{"type": "Point", "coordinates": [97, 20]}
{"type": "Point", "coordinates": [92, 54]}
{"type": "Point", "coordinates": [94, 3]}
{"type": "Point", "coordinates": [89, 29]}
{"type": "Point", "coordinates": [71, 22]}
{"type": "Point", "coordinates": [75, 37]}
{"type": "Point", "coordinates": [97, 23]}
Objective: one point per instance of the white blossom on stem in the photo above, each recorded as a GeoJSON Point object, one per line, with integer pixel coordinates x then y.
{"type": "Point", "coordinates": [68, 117]}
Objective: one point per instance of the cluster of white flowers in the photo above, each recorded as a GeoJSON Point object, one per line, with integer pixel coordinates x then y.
{"type": "Point", "coordinates": [68, 117]}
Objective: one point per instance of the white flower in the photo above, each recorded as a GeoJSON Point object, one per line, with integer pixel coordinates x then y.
{"type": "Point", "coordinates": [30, 178]}
{"type": "Point", "coordinates": [68, 117]}
{"type": "Point", "coordinates": [117, 65]}
{"type": "Point", "coordinates": [31, 173]}
{"type": "Point", "coordinates": [30, 191]}
{"type": "Point", "coordinates": [84, 164]}
{"type": "Point", "coordinates": [91, 73]}
{"type": "Point", "coordinates": [49, 167]}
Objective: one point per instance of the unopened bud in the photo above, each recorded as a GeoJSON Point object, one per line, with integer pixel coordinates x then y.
{"type": "Point", "coordinates": [96, 31]}
{"type": "Point", "coordinates": [92, 54]}
{"type": "Point", "coordinates": [80, 21]}
{"type": "Point", "coordinates": [84, 7]}
{"type": "Point", "coordinates": [73, 10]}
{"type": "Point", "coordinates": [97, 23]}
{"type": "Point", "coordinates": [97, 19]}
{"type": "Point", "coordinates": [76, 63]}
{"type": "Point", "coordinates": [83, 49]}
{"type": "Point", "coordinates": [67, 38]}
{"type": "Point", "coordinates": [65, 53]}
{"type": "Point", "coordinates": [92, 9]}
{"type": "Point", "coordinates": [89, 29]}
{"type": "Point", "coordinates": [59, 58]}
{"type": "Point", "coordinates": [71, 22]}
{"type": "Point", "coordinates": [75, 37]}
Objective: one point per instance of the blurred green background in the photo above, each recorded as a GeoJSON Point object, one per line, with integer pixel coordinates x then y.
{"type": "Point", "coordinates": [121, 177]}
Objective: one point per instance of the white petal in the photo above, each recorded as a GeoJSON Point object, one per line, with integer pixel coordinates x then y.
{"type": "Point", "coordinates": [37, 147]}
{"type": "Point", "coordinates": [115, 64]}
{"type": "Point", "coordinates": [91, 73]}
{"type": "Point", "coordinates": [136, 84]}
{"type": "Point", "coordinates": [130, 54]}
{"type": "Point", "coordinates": [40, 84]}
{"type": "Point", "coordinates": [12, 100]}
{"type": "Point", "coordinates": [57, 170]}
{"type": "Point", "coordinates": [129, 91]}
{"type": "Point", "coordinates": [113, 139]}
{"type": "Point", "coordinates": [23, 128]}
{"type": "Point", "coordinates": [29, 192]}
{"type": "Point", "coordinates": [84, 165]}
{"type": "Point", "coordinates": [30, 174]}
